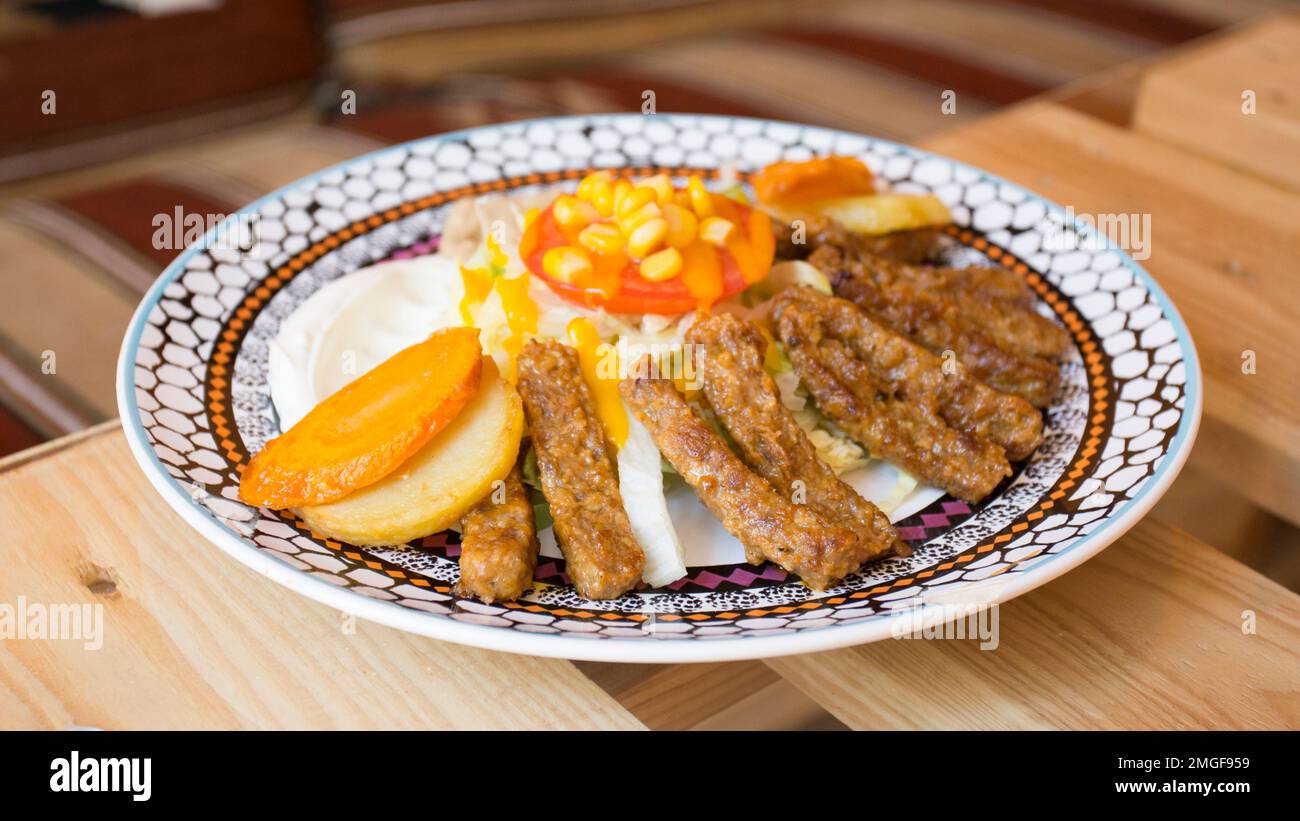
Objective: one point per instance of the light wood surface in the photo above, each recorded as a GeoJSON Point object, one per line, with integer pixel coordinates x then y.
{"type": "Point", "coordinates": [1234, 100]}
{"type": "Point", "coordinates": [1148, 635]}
{"type": "Point", "coordinates": [193, 639]}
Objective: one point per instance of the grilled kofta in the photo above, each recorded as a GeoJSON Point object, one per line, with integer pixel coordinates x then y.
{"type": "Point", "coordinates": [577, 472]}
{"type": "Point", "coordinates": [748, 404]}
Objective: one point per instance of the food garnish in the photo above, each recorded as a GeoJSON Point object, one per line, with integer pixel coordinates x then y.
{"type": "Point", "coordinates": [441, 482]}
{"type": "Point", "coordinates": [647, 247]}
{"type": "Point", "coordinates": [596, 358]}
{"type": "Point", "coordinates": [641, 484]}
{"type": "Point", "coordinates": [367, 429]}
{"type": "Point", "coordinates": [493, 277]}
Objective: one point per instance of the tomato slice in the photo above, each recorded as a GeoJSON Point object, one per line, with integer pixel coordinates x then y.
{"type": "Point", "coordinates": [627, 292]}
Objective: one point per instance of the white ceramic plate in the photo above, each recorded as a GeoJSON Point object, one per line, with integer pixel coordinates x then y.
{"type": "Point", "coordinates": [194, 400]}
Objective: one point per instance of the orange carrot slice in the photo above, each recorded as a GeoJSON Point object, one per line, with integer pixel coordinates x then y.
{"type": "Point", "coordinates": [370, 426]}
{"type": "Point", "coordinates": [787, 183]}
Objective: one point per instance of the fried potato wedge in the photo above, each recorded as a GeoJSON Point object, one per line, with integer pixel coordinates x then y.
{"type": "Point", "coordinates": [877, 214]}
{"type": "Point", "coordinates": [370, 427]}
{"type": "Point", "coordinates": [433, 489]}
{"type": "Point", "coordinates": [887, 213]}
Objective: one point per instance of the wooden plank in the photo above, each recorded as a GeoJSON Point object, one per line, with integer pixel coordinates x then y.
{"type": "Point", "coordinates": [1147, 635]}
{"type": "Point", "coordinates": [740, 695]}
{"type": "Point", "coordinates": [1197, 100]}
{"type": "Point", "coordinates": [1223, 245]}
{"type": "Point", "coordinates": [53, 446]}
{"type": "Point", "coordinates": [193, 639]}
{"type": "Point", "coordinates": [59, 307]}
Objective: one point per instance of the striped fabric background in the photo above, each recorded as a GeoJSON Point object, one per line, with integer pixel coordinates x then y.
{"type": "Point", "coordinates": [78, 244]}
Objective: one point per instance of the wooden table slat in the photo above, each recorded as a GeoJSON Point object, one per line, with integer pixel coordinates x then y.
{"type": "Point", "coordinates": [1233, 100]}
{"type": "Point", "coordinates": [193, 639]}
{"type": "Point", "coordinates": [1148, 635]}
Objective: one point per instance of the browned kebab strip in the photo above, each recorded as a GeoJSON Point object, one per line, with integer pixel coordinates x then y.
{"type": "Point", "coordinates": [498, 544]}
{"type": "Point", "coordinates": [940, 323]}
{"type": "Point", "coordinates": [906, 250]}
{"type": "Point", "coordinates": [895, 398]}
{"type": "Point", "coordinates": [577, 471]}
{"type": "Point", "coordinates": [919, 245]}
{"type": "Point", "coordinates": [748, 404]}
{"type": "Point", "coordinates": [1007, 317]}
{"type": "Point", "coordinates": [977, 281]}
{"type": "Point", "coordinates": [769, 526]}
{"type": "Point", "coordinates": [918, 376]}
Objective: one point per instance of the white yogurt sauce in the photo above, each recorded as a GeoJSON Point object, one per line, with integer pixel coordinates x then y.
{"type": "Point", "coordinates": [355, 322]}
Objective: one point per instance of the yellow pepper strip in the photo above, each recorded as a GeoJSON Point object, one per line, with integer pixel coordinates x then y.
{"type": "Point", "coordinates": [595, 359]}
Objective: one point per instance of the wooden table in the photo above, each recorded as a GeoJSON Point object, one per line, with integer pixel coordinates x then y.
{"type": "Point", "coordinates": [195, 639]}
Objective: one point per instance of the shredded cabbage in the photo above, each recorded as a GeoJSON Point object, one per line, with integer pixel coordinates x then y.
{"type": "Point", "coordinates": [791, 272]}
{"type": "Point", "coordinates": [901, 490]}
{"type": "Point", "coordinates": [641, 484]}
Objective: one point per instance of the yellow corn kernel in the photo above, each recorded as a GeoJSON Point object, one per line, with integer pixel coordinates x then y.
{"type": "Point", "coordinates": [591, 182]}
{"type": "Point", "coordinates": [566, 263]}
{"type": "Point", "coordinates": [621, 189]}
{"type": "Point", "coordinates": [635, 200]}
{"type": "Point", "coordinates": [682, 225]}
{"type": "Point", "coordinates": [662, 265]}
{"type": "Point", "coordinates": [573, 214]}
{"type": "Point", "coordinates": [602, 196]}
{"type": "Point", "coordinates": [716, 230]}
{"type": "Point", "coordinates": [701, 200]}
{"type": "Point", "coordinates": [661, 185]}
{"type": "Point", "coordinates": [601, 238]}
{"type": "Point", "coordinates": [647, 237]}
{"type": "Point", "coordinates": [629, 223]}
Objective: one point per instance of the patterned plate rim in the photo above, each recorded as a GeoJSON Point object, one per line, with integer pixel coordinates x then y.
{"type": "Point", "coordinates": [573, 646]}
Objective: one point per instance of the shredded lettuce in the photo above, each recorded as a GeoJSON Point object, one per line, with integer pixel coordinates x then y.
{"type": "Point", "coordinates": [901, 490]}
{"type": "Point", "coordinates": [792, 272]}
{"type": "Point", "coordinates": [533, 480]}
{"type": "Point", "coordinates": [641, 484]}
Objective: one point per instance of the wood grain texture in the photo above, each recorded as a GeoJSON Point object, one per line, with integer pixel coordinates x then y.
{"type": "Point", "coordinates": [1223, 245]}
{"type": "Point", "coordinates": [739, 695]}
{"type": "Point", "coordinates": [1147, 635]}
{"type": "Point", "coordinates": [193, 639]}
{"type": "Point", "coordinates": [1196, 100]}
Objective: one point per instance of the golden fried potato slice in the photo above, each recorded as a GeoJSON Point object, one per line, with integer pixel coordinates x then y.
{"type": "Point", "coordinates": [433, 489]}
{"type": "Point", "coordinates": [877, 214]}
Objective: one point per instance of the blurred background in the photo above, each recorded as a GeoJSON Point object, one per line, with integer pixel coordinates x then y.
{"type": "Point", "coordinates": [116, 111]}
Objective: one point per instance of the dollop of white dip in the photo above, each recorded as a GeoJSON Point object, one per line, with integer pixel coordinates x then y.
{"type": "Point", "coordinates": [355, 322]}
